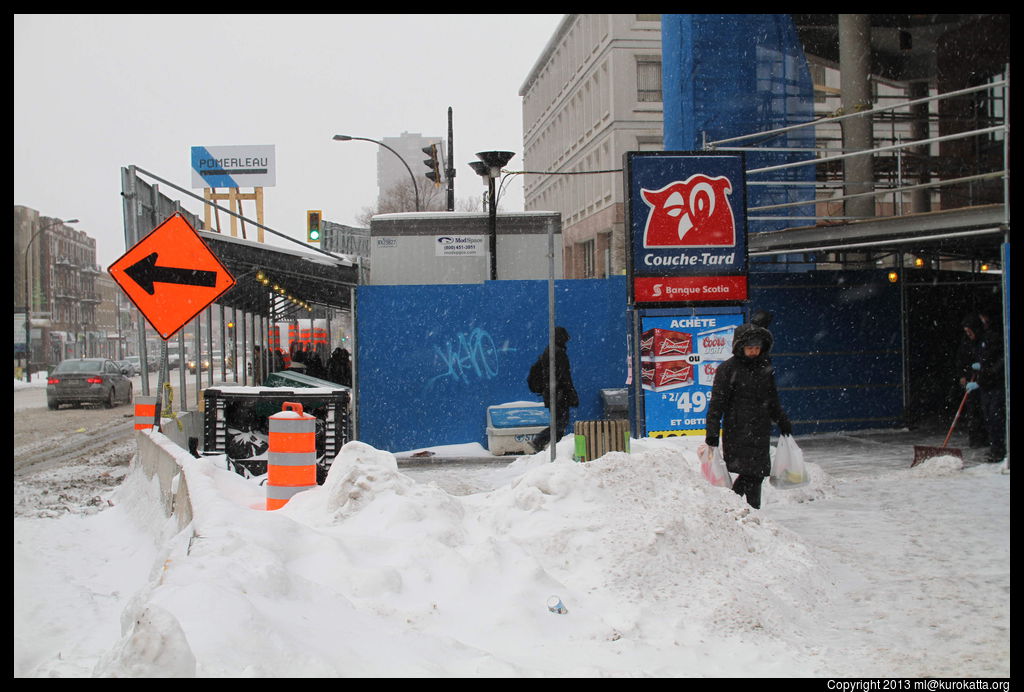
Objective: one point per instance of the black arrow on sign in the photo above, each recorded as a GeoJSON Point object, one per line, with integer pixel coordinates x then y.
{"type": "Point", "coordinates": [145, 273]}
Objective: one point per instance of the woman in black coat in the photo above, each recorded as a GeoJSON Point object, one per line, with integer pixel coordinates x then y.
{"type": "Point", "coordinates": [744, 405]}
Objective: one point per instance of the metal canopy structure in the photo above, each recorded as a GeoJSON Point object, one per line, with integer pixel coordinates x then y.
{"type": "Point", "coordinates": [258, 268]}
{"type": "Point", "coordinates": [304, 275]}
{"type": "Point", "coordinates": [272, 284]}
{"type": "Point", "coordinates": [973, 233]}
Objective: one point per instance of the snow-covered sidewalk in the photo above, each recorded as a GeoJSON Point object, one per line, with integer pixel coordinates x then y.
{"type": "Point", "coordinates": [388, 571]}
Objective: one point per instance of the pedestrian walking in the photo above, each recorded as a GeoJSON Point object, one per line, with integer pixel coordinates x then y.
{"type": "Point", "coordinates": [339, 367]}
{"type": "Point", "coordinates": [314, 365]}
{"type": "Point", "coordinates": [257, 365]}
{"type": "Point", "coordinates": [565, 391]}
{"type": "Point", "coordinates": [744, 406]}
{"type": "Point", "coordinates": [298, 359]}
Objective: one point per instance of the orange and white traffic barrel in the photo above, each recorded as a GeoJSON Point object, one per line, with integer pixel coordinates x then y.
{"type": "Point", "coordinates": [291, 456]}
{"type": "Point", "coordinates": [147, 412]}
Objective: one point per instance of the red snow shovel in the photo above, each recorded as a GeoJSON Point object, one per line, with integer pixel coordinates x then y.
{"type": "Point", "coordinates": [924, 452]}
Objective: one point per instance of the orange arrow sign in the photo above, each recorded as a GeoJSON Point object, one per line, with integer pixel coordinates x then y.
{"type": "Point", "coordinates": [171, 275]}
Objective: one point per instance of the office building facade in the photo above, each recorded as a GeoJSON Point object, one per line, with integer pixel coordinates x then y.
{"type": "Point", "coordinates": [593, 94]}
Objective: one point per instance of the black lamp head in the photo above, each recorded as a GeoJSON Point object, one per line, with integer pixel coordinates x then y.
{"type": "Point", "coordinates": [495, 159]}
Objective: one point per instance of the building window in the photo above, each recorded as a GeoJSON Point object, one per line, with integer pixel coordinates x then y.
{"type": "Point", "coordinates": [818, 80]}
{"type": "Point", "coordinates": [989, 107]}
{"type": "Point", "coordinates": [648, 80]}
{"type": "Point", "coordinates": [589, 260]}
{"type": "Point", "coordinates": [606, 251]}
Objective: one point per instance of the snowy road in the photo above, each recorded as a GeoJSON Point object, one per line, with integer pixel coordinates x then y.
{"type": "Point", "coordinates": [65, 460]}
{"type": "Point", "coordinates": [45, 440]}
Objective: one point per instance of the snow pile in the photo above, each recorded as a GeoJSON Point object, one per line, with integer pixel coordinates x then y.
{"type": "Point", "coordinates": [937, 466]}
{"type": "Point", "coordinates": [627, 535]}
{"type": "Point", "coordinates": [38, 380]}
{"type": "Point", "coordinates": [422, 570]}
{"type": "Point", "coordinates": [376, 574]}
{"type": "Point", "coordinates": [154, 647]}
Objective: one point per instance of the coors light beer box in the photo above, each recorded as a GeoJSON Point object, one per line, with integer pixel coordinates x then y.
{"type": "Point", "coordinates": [714, 347]}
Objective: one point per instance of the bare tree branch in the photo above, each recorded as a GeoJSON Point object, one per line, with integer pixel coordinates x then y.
{"type": "Point", "coordinates": [400, 198]}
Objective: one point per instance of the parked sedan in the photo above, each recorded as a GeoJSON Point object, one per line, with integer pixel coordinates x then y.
{"type": "Point", "coordinates": [88, 380]}
{"type": "Point", "coordinates": [127, 364]}
{"type": "Point", "coordinates": [152, 364]}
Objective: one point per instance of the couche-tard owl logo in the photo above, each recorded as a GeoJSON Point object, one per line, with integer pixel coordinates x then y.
{"type": "Point", "coordinates": [692, 213]}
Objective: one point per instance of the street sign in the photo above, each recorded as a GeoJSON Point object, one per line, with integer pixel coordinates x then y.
{"type": "Point", "coordinates": [234, 166]}
{"type": "Point", "coordinates": [686, 228]}
{"type": "Point", "coordinates": [171, 275]}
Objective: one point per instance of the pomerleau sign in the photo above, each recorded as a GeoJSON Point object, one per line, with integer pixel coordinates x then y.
{"type": "Point", "coordinates": [233, 166]}
{"type": "Point", "coordinates": [687, 227]}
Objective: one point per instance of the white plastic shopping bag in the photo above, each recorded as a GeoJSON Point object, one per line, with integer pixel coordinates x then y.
{"type": "Point", "coordinates": [788, 468]}
{"type": "Point", "coordinates": [712, 466]}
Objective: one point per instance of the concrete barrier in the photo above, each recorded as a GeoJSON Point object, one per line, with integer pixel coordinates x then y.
{"type": "Point", "coordinates": [188, 424]}
{"type": "Point", "coordinates": [158, 458]}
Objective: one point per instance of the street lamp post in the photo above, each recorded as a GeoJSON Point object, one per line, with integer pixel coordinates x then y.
{"type": "Point", "coordinates": [415, 188]}
{"type": "Point", "coordinates": [489, 167]}
{"type": "Point", "coordinates": [28, 297]}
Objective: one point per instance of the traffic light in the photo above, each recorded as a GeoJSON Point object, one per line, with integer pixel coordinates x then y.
{"type": "Point", "coordinates": [313, 226]}
{"type": "Point", "coordinates": [434, 166]}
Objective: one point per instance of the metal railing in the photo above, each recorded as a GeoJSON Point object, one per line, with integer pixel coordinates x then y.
{"type": "Point", "coordinates": [901, 181]}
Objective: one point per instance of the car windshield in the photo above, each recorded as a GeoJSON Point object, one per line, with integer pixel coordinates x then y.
{"type": "Point", "coordinates": [80, 366]}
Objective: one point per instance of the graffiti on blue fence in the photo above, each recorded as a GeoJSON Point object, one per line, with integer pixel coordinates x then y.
{"type": "Point", "coordinates": [467, 358]}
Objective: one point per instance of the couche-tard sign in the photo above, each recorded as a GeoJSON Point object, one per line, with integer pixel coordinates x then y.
{"type": "Point", "coordinates": [687, 227]}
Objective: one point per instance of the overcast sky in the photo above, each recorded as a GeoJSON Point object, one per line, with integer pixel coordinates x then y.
{"type": "Point", "coordinates": [95, 93]}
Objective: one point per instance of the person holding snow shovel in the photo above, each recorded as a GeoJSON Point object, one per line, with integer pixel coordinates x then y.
{"type": "Point", "coordinates": [968, 354]}
{"type": "Point", "coordinates": [744, 405]}
{"type": "Point", "coordinates": [991, 385]}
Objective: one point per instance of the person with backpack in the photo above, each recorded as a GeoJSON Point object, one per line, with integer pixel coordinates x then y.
{"type": "Point", "coordinates": [565, 392]}
{"type": "Point", "coordinates": [744, 405]}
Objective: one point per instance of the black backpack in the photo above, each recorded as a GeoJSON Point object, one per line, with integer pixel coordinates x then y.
{"type": "Point", "coordinates": [535, 380]}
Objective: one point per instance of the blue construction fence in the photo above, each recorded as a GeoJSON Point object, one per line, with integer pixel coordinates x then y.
{"type": "Point", "coordinates": [432, 359]}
